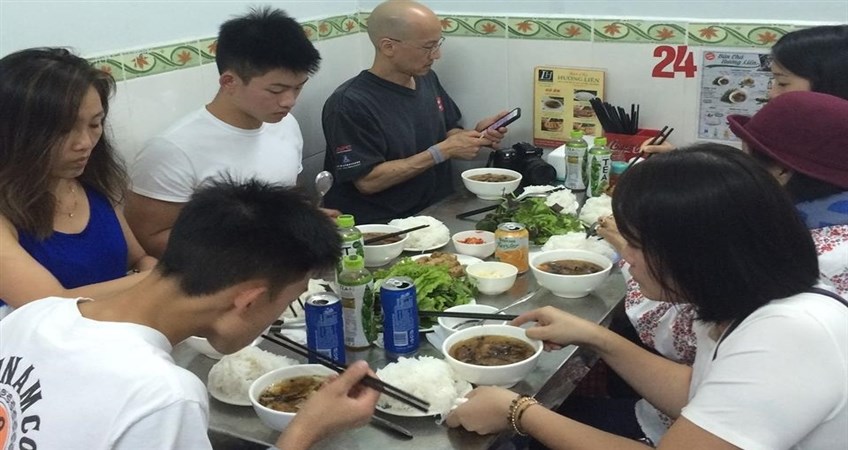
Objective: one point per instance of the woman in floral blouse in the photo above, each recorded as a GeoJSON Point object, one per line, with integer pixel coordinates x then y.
{"type": "Point", "coordinates": [811, 163]}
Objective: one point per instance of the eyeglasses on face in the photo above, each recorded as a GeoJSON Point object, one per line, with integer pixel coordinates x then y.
{"type": "Point", "coordinates": [430, 49]}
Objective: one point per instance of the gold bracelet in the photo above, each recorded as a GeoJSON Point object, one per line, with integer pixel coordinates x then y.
{"type": "Point", "coordinates": [516, 409]}
{"type": "Point", "coordinates": [526, 405]}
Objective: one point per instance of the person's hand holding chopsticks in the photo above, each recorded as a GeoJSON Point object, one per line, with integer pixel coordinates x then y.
{"type": "Point", "coordinates": [647, 147]}
{"type": "Point", "coordinates": [656, 141]}
{"type": "Point", "coordinates": [341, 404]}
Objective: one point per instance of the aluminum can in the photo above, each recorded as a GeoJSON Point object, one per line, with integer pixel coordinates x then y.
{"type": "Point", "coordinates": [400, 317]}
{"type": "Point", "coordinates": [512, 245]}
{"type": "Point", "coordinates": [325, 325]}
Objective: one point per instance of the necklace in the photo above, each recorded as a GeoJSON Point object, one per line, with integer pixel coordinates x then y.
{"type": "Point", "coordinates": [72, 192]}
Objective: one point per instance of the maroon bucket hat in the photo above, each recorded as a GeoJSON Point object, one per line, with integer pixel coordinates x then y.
{"type": "Point", "coordinates": [804, 131]}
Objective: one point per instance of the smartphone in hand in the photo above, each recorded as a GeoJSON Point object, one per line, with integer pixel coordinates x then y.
{"type": "Point", "coordinates": [505, 120]}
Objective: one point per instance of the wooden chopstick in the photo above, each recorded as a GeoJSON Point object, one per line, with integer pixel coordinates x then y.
{"type": "Point", "coordinates": [393, 234]}
{"type": "Point", "coordinates": [373, 383]}
{"type": "Point", "coordinates": [657, 140]}
{"type": "Point", "coordinates": [467, 315]}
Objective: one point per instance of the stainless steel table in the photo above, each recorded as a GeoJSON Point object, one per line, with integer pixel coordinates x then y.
{"type": "Point", "coordinates": [551, 382]}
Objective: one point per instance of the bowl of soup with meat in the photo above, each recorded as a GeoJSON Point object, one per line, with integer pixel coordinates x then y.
{"type": "Point", "coordinates": [382, 252]}
{"type": "Point", "coordinates": [492, 355]}
{"type": "Point", "coordinates": [570, 273]}
{"type": "Point", "coordinates": [491, 183]}
{"type": "Point", "coordinates": [278, 395]}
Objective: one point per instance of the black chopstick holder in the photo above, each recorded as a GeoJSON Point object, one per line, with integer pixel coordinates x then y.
{"type": "Point", "coordinates": [374, 383]}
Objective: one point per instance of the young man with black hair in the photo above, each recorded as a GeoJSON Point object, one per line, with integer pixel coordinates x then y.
{"type": "Point", "coordinates": [264, 59]}
{"type": "Point", "coordinates": [97, 373]}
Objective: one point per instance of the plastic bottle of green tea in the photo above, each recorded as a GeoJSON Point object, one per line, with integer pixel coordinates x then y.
{"type": "Point", "coordinates": [351, 239]}
{"type": "Point", "coordinates": [356, 286]}
{"type": "Point", "coordinates": [575, 155]}
{"type": "Point", "coordinates": [598, 162]}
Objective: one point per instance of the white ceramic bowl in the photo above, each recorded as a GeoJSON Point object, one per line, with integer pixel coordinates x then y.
{"type": "Point", "coordinates": [272, 418]}
{"type": "Point", "coordinates": [380, 254]}
{"type": "Point", "coordinates": [203, 346]}
{"type": "Point", "coordinates": [490, 190]}
{"type": "Point", "coordinates": [504, 376]}
{"type": "Point", "coordinates": [482, 251]}
{"type": "Point", "coordinates": [570, 286]}
{"type": "Point", "coordinates": [492, 277]}
{"type": "Point", "coordinates": [446, 324]}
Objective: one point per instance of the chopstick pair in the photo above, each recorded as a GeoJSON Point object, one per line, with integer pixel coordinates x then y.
{"type": "Point", "coordinates": [467, 315]}
{"type": "Point", "coordinates": [657, 140]}
{"type": "Point", "coordinates": [373, 383]}
{"type": "Point", "coordinates": [393, 234]}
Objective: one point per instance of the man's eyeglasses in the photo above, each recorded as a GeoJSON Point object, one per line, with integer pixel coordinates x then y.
{"type": "Point", "coordinates": [430, 49]}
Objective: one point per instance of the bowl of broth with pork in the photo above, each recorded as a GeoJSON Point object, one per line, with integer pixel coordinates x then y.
{"type": "Point", "coordinates": [382, 252]}
{"type": "Point", "coordinates": [278, 395]}
{"type": "Point", "coordinates": [493, 355]}
{"type": "Point", "coordinates": [491, 183]}
{"type": "Point", "coordinates": [570, 273]}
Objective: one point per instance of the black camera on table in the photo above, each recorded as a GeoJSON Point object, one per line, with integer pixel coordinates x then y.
{"type": "Point", "coordinates": [526, 160]}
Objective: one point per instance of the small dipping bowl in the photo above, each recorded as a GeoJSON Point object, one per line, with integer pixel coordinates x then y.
{"type": "Point", "coordinates": [482, 251]}
{"type": "Point", "coordinates": [492, 277]}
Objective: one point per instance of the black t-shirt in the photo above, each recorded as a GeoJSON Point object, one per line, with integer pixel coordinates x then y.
{"type": "Point", "coordinates": [368, 121]}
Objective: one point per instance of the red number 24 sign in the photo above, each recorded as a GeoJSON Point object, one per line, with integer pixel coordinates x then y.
{"type": "Point", "coordinates": [674, 60]}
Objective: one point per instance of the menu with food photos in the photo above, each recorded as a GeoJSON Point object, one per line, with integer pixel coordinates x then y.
{"type": "Point", "coordinates": [731, 83]}
{"type": "Point", "coordinates": [561, 98]}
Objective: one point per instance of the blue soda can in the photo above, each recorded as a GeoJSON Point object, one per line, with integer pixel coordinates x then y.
{"type": "Point", "coordinates": [400, 317]}
{"type": "Point", "coordinates": [325, 326]}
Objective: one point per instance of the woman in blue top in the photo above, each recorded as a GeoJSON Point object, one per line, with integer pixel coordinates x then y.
{"type": "Point", "coordinates": [60, 182]}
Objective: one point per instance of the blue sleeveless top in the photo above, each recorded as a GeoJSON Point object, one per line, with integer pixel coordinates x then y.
{"type": "Point", "coordinates": [98, 253]}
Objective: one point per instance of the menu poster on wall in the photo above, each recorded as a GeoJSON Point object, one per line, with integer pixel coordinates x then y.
{"type": "Point", "coordinates": [731, 83]}
{"type": "Point", "coordinates": [561, 103]}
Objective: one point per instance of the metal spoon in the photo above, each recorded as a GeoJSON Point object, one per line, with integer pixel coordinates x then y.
{"type": "Point", "coordinates": [323, 183]}
{"type": "Point", "coordinates": [593, 229]}
{"type": "Point", "coordinates": [473, 322]}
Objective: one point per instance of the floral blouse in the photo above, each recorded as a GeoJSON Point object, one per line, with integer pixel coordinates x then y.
{"type": "Point", "coordinates": [667, 327]}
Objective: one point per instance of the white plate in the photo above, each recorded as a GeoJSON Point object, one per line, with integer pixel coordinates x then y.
{"type": "Point", "coordinates": [430, 249]}
{"type": "Point", "coordinates": [416, 413]}
{"type": "Point", "coordinates": [463, 260]}
{"type": "Point", "coordinates": [221, 397]}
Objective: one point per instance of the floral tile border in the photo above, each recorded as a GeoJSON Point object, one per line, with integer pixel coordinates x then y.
{"type": "Point", "coordinates": [737, 35]}
{"type": "Point", "coordinates": [111, 65]}
{"type": "Point", "coordinates": [208, 49]}
{"type": "Point", "coordinates": [333, 27]}
{"type": "Point", "coordinates": [639, 32]}
{"type": "Point", "coordinates": [144, 62]}
{"type": "Point", "coordinates": [310, 29]}
{"type": "Point", "coordinates": [474, 26]}
{"type": "Point", "coordinates": [550, 29]}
